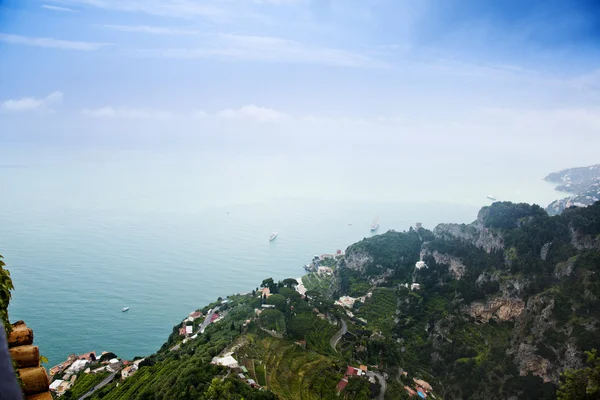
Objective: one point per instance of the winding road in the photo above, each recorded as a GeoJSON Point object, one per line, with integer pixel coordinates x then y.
{"type": "Point", "coordinates": [207, 319]}
{"type": "Point", "coordinates": [336, 338]}
{"type": "Point", "coordinates": [100, 385]}
{"type": "Point", "coordinates": [382, 382]}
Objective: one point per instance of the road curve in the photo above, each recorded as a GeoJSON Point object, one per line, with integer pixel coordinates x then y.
{"type": "Point", "coordinates": [207, 319]}
{"type": "Point", "coordinates": [99, 386]}
{"type": "Point", "coordinates": [382, 383]}
{"type": "Point", "coordinates": [336, 338]}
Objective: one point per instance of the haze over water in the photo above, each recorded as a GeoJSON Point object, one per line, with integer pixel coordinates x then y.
{"type": "Point", "coordinates": [87, 232]}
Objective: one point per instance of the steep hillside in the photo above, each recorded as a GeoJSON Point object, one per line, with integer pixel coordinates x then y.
{"type": "Point", "coordinates": [502, 307]}
{"type": "Point", "coordinates": [582, 182]}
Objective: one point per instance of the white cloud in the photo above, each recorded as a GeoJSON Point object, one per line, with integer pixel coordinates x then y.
{"type": "Point", "coordinates": [211, 9]}
{"type": "Point", "coordinates": [127, 113]}
{"type": "Point", "coordinates": [58, 8]}
{"type": "Point", "coordinates": [50, 43]}
{"type": "Point", "coordinates": [167, 8]}
{"type": "Point", "coordinates": [199, 114]}
{"type": "Point", "coordinates": [269, 49]}
{"type": "Point", "coordinates": [43, 104]}
{"type": "Point", "coordinates": [156, 30]}
{"type": "Point", "coordinates": [254, 113]}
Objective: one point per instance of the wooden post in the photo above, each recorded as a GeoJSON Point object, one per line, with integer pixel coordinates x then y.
{"type": "Point", "coordinates": [35, 380]}
{"type": "Point", "coordinates": [39, 396]}
{"type": "Point", "coordinates": [25, 356]}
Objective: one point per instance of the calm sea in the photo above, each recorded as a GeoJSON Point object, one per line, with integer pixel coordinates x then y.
{"type": "Point", "coordinates": [86, 234]}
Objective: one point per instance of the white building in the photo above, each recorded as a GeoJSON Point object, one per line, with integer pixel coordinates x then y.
{"type": "Point", "coordinates": [189, 329]}
{"type": "Point", "coordinates": [415, 286]}
{"type": "Point", "coordinates": [54, 385]}
{"type": "Point", "coordinates": [78, 365]}
{"type": "Point", "coordinates": [420, 265]}
{"type": "Point", "coordinates": [324, 271]}
{"type": "Point", "coordinates": [226, 360]}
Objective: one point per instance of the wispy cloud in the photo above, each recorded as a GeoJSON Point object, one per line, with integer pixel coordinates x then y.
{"type": "Point", "coordinates": [156, 30]}
{"type": "Point", "coordinates": [128, 113]}
{"type": "Point", "coordinates": [168, 8]}
{"type": "Point", "coordinates": [50, 42]}
{"type": "Point", "coordinates": [268, 49]}
{"type": "Point", "coordinates": [43, 104]}
{"type": "Point", "coordinates": [254, 113]}
{"type": "Point", "coordinates": [58, 8]}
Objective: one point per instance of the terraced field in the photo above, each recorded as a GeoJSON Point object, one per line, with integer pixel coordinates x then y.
{"type": "Point", "coordinates": [380, 310]}
{"type": "Point", "coordinates": [291, 372]}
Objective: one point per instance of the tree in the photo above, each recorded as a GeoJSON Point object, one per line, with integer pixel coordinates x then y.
{"type": "Point", "coordinates": [290, 283]}
{"type": "Point", "coordinates": [272, 320]}
{"type": "Point", "coordinates": [278, 301]}
{"type": "Point", "coordinates": [269, 283]}
{"type": "Point", "coordinates": [107, 356]}
{"type": "Point", "coordinates": [581, 384]}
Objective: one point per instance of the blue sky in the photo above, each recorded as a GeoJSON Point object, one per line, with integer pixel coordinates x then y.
{"type": "Point", "coordinates": [378, 70]}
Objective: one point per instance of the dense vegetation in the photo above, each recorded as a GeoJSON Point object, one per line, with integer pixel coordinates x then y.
{"type": "Point", "coordinates": [551, 265]}
{"type": "Point", "coordinates": [6, 286]}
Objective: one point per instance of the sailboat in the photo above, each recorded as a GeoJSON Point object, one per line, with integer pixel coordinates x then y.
{"type": "Point", "coordinates": [375, 225]}
{"type": "Point", "coordinates": [273, 236]}
{"type": "Point", "coordinates": [125, 309]}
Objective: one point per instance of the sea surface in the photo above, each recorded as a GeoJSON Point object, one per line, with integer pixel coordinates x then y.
{"type": "Point", "coordinates": [85, 234]}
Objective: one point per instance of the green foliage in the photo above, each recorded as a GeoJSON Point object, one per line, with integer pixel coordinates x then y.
{"type": "Point", "coordinates": [107, 356]}
{"type": "Point", "coordinates": [234, 389]}
{"type": "Point", "coordinates": [186, 373]}
{"type": "Point", "coordinates": [581, 384]}
{"type": "Point", "coordinates": [380, 310]}
{"type": "Point", "coordinates": [507, 215]}
{"type": "Point", "coordinates": [84, 383]}
{"type": "Point", "coordinates": [6, 286]}
{"type": "Point", "coordinates": [272, 320]}
{"type": "Point", "coordinates": [278, 300]}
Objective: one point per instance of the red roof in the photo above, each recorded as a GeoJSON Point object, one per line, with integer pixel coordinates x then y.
{"type": "Point", "coordinates": [196, 314]}
{"type": "Point", "coordinates": [181, 331]}
{"type": "Point", "coordinates": [215, 316]}
{"type": "Point", "coordinates": [87, 356]}
{"type": "Point", "coordinates": [351, 371]}
{"type": "Point", "coordinates": [341, 385]}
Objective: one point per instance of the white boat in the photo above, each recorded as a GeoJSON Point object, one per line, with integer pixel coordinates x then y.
{"type": "Point", "coordinates": [489, 196]}
{"type": "Point", "coordinates": [375, 225]}
{"type": "Point", "coordinates": [125, 309]}
{"type": "Point", "coordinates": [273, 236]}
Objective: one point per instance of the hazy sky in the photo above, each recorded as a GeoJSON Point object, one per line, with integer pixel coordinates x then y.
{"type": "Point", "coordinates": [496, 76]}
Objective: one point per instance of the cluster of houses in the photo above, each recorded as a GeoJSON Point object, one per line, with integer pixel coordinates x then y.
{"type": "Point", "coordinates": [227, 360]}
{"type": "Point", "coordinates": [315, 267]}
{"type": "Point", "coordinates": [75, 365]}
{"type": "Point", "coordinates": [348, 302]}
{"type": "Point", "coordinates": [350, 372]}
{"type": "Point", "coordinates": [420, 388]}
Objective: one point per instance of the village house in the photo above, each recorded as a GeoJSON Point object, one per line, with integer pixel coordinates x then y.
{"type": "Point", "coordinates": [341, 385]}
{"type": "Point", "coordinates": [77, 366]}
{"type": "Point", "coordinates": [195, 315]}
{"type": "Point", "coordinates": [129, 370]}
{"type": "Point", "coordinates": [114, 365]}
{"type": "Point", "coordinates": [266, 292]}
{"type": "Point", "coordinates": [345, 301]}
{"type": "Point", "coordinates": [226, 360]}
{"type": "Point", "coordinates": [324, 271]}
{"type": "Point", "coordinates": [351, 371]}
{"type": "Point", "coordinates": [420, 265]}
